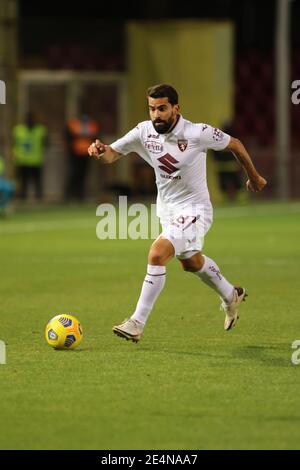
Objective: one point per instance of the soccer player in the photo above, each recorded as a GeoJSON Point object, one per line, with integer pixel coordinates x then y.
{"type": "Point", "coordinates": [176, 149]}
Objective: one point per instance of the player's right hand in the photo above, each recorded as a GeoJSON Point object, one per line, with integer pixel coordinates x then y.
{"type": "Point", "coordinates": [256, 184]}
{"type": "Point", "coordinates": [96, 149]}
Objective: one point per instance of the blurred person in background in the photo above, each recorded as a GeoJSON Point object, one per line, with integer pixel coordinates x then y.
{"type": "Point", "coordinates": [143, 181]}
{"type": "Point", "coordinates": [29, 144]}
{"type": "Point", "coordinates": [229, 171]}
{"type": "Point", "coordinates": [7, 190]}
{"type": "Point", "coordinates": [79, 133]}
{"type": "Point", "coordinates": [176, 149]}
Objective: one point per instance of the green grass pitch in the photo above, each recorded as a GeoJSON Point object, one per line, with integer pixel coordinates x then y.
{"type": "Point", "coordinates": [188, 384]}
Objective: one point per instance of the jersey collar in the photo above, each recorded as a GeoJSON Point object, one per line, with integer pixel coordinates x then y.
{"type": "Point", "coordinates": [175, 131]}
{"type": "Point", "coordinates": [179, 126]}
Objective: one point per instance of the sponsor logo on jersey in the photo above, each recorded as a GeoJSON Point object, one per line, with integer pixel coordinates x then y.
{"type": "Point", "coordinates": [167, 163]}
{"type": "Point", "coordinates": [217, 135]}
{"type": "Point", "coordinates": [153, 136]}
{"type": "Point", "coordinates": [182, 144]}
{"type": "Point", "coordinates": [205, 126]}
{"type": "Point", "coordinates": [170, 177]}
{"type": "Point", "coordinates": [153, 147]}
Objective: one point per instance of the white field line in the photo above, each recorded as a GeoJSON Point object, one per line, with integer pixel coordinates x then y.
{"type": "Point", "coordinates": [75, 260]}
{"type": "Point", "coordinates": [6, 227]}
{"type": "Point", "coordinates": [260, 211]}
{"type": "Point", "coordinates": [109, 260]}
{"type": "Point", "coordinates": [258, 262]}
{"type": "Point", "coordinates": [238, 262]}
{"type": "Point", "coordinates": [47, 226]}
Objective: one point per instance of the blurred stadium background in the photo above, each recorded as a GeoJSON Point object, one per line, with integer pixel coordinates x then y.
{"type": "Point", "coordinates": [232, 62]}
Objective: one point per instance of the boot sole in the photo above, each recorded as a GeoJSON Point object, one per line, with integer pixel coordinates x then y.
{"type": "Point", "coordinates": [126, 336]}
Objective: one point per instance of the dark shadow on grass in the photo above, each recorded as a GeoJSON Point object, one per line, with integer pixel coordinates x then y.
{"type": "Point", "coordinates": [72, 350]}
{"type": "Point", "coordinates": [202, 353]}
{"type": "Point", "coordinates": [266, 354]}
{"type": "Point", "coordinates": [273, 355]}
{"type": "Point", "coordinates": [282, 418]}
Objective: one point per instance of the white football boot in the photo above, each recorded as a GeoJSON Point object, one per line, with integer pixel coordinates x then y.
{"type": "Point", "coordinates": [130, 330]}
{"type": "Point", "coordinates": [231, 309]}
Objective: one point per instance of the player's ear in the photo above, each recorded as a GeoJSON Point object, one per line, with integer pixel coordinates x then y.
{"type": "Point", "coordinates": [177, 108]}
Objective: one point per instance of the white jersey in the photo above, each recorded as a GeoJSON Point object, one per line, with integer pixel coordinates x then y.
{"type": "Point", "coordinates": [178, 159]}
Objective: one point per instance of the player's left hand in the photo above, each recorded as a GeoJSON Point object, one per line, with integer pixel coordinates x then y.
{"type": "Point", "coordinates": [256, 184]}
{"type": "Point", "coordinates": [96, 149]}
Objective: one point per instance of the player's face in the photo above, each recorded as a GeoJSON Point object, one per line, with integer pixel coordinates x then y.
{"type": "Point", "coordinates": [162, 114]}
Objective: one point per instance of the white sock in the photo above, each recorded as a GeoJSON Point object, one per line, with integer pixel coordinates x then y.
{"type": "Point", "coordinates": [153, 284]}
{"type": "Point", "coordinates": [210, 274]}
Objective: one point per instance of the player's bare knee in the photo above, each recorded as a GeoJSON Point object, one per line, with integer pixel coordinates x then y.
{"type": "Point", "coordinates": [160, 252]}
{"type": "Point", "coordinates": [193, 264]}
{"type": "Point", "coordinates": [191, 269]}
{"type": "Point", "coordinates": [156, 257]}
{"type": "Point", "coordinates": [190, 266]}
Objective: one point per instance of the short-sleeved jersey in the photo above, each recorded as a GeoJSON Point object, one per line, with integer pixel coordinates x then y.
{"type": "Point", "coordinates": [178, 159]}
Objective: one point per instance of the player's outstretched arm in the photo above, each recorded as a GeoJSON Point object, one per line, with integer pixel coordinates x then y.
{"type": "Point", "coordinates": [103, 152]}
{"type": "Point", "coordinates": [255, 181]}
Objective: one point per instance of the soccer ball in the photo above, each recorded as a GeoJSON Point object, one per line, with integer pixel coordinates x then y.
{"type": "Point", "coordinates": [63, 332]}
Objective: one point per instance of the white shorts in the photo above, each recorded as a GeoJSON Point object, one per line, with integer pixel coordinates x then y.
{"type": "Point", "coordinates": [186, 231]}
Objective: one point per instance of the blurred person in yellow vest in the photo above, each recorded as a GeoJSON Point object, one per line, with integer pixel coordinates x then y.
{"type": "Point", "coordinates": [29, 143]}
{"type": "Point", "coordinates": [79, 133]}
{"type": "Point", "coordinates": [7, 190]}
{"type": "Point", "coordinates": [229, 172]}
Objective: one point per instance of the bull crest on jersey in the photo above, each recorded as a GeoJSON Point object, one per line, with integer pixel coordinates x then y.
{"type": "Point", "coordinates": [167, 163]}
{"type": "Point", "coordinates": [182, 144]}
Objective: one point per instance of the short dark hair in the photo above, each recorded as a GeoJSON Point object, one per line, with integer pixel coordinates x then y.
{"type": "Point", "coordinates": [163, 91]}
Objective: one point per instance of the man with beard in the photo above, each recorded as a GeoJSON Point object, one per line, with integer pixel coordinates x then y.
{"type": "Point", "coordinates": [176, 149]}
